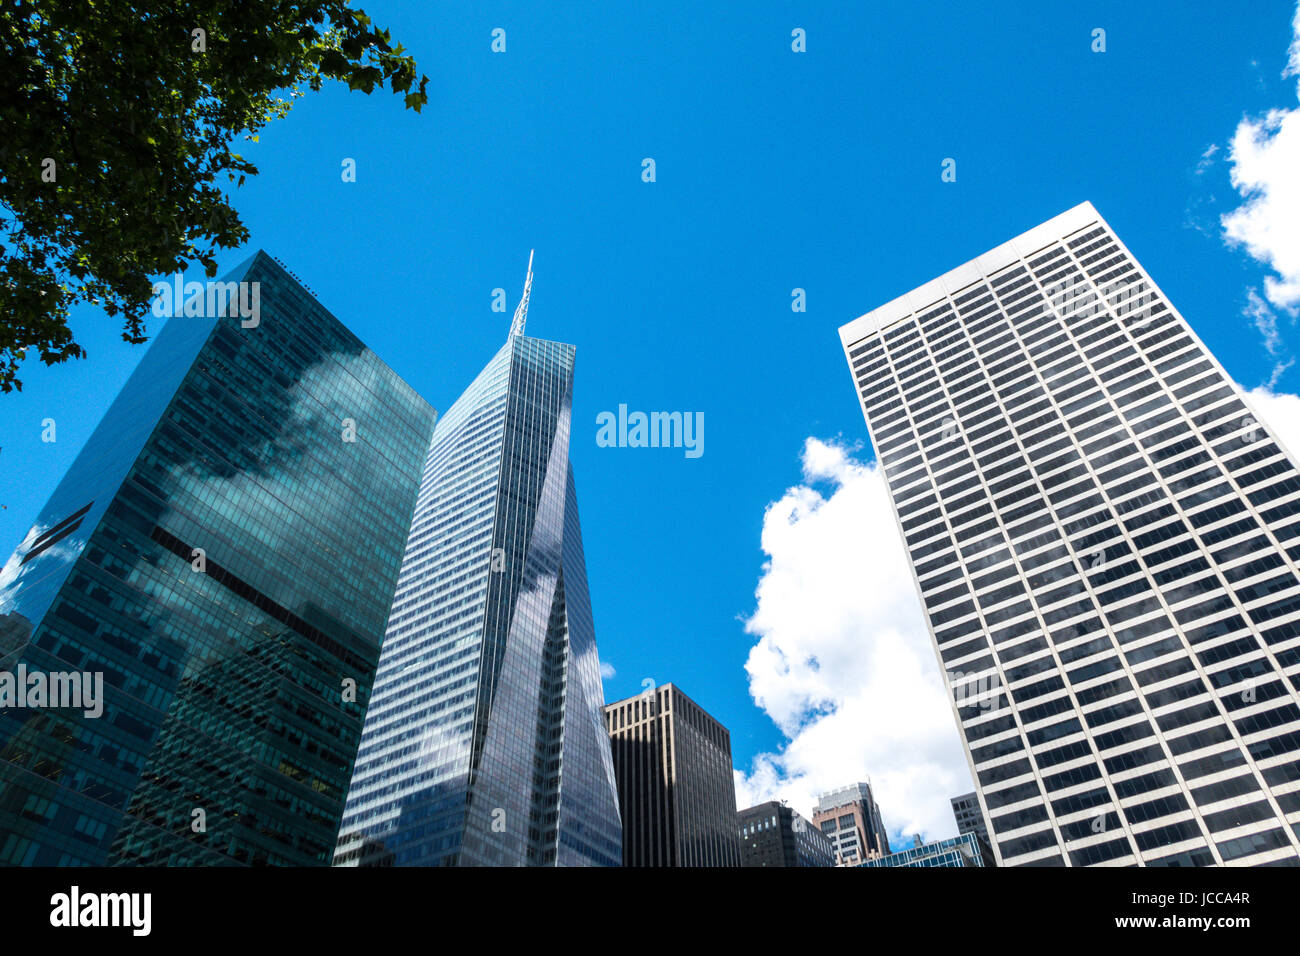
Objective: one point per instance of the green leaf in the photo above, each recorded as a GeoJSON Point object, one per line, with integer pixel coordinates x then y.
{"type": "Point", "coordinates": [142, 132]}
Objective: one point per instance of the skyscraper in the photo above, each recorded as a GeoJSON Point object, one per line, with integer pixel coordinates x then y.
{"type": "Point", "coordinates": [484, 743]}
{"type": "Point", "coordinates": [1105, 541]}
{"type": "Point", "coordinates": [970, 818]}
{"type": "Point", "coordinates": [851, 818]}
{"type": "Point", "coordinates": [222, 553]}
{"type": "Point", "coordinates": [675, 781]}
{"type": "Point", "coordinates": [772, 834]}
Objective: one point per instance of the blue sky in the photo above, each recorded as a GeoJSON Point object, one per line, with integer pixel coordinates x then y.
{"type": "Point", "coordinates": [775, 170]}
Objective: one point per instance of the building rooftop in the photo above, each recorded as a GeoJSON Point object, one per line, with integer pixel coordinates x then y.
{"type": "Point", "coordinates": [968, 273]}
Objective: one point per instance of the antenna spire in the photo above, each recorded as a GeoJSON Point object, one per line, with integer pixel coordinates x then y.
{"type": "Point", "coordinates": [521, 313]}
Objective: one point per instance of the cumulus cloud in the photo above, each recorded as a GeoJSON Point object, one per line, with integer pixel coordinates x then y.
{"type": "Point", "coordinates": [843, 663]}
{"type": "Point", "coordinates": [1264, 157]}
{"type": "Point", "coordinates": [607, 671]}
{"type": "Point", "coordinates": [1280, 411]}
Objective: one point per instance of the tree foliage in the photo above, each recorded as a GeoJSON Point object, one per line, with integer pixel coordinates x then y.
{"type": "Point", "coordinates": [117, 121]}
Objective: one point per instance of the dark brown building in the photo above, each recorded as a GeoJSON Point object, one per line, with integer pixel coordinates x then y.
{"type": "Point", "coordinates": [772, 834]}
{"type": "Point", "coordinates": [675, 786]}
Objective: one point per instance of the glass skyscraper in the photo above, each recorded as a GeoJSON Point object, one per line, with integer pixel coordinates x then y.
{"type": "Point", "coordinates": [962, 850]}
{"type": "Point", "coordinates": [484, 743]}
{"type": "Point", "coordinates": [223, 551]}
{"type": "Point", "coordinates": [1105, 541]}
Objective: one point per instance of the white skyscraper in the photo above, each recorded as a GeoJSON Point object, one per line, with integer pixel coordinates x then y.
{"type": "Point", "coordinates": [1105, 540]}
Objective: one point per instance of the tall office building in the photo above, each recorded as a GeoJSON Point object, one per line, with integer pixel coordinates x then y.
{"type": "Point", "coordinates": [851, 818]}
{"type": "Point", "coordinates": [1105, 541]}
{"type": "Point", "coordinates": [223, 553]}
{"type": "Point", "coordinates": [484, 744]}
{"type": "Point", "coordinates": [970, 818]}
{"type": "Point", "coordinates": [675, 781]}
{"type": "Point", "coordinates": [772, 834]}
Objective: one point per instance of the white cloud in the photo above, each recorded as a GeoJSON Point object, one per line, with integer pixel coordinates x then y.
{"type": "Point", "coordinates": [1281, 413]}
{"type": "Point", "coordinates": [1207, 158]}
{"type": "Point", "coordinates": [1293, 55]}
{"type": "Point", "coordinates": [607, 671]}
{"type": "Point", "coordinates": [1265, 157]}
{"type": "Point", "coordinates": [1265, 320]}
{"type": "Point", "coordinates": [844, 664]}
{"type": "Point", "coordinates": [1265, 170]}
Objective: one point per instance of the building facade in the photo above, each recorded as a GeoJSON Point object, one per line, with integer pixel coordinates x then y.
{"type": "Point", "coordinates": [675, 781]}
{"type": "Point", "coordinates": [772, 834]}
{"type": "Point", "coordinates": [484, 743]}
{"type": "Point", "coordinates": [1105, 538]}
{"type": "Point", "coordinates": [222, 553]}
{"type": "Point", "coordinates": [850, 818]}
{"type": "Point", "coordinates": [964, 850]}
{"type": "Point", "coordinates": [970, 818]}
